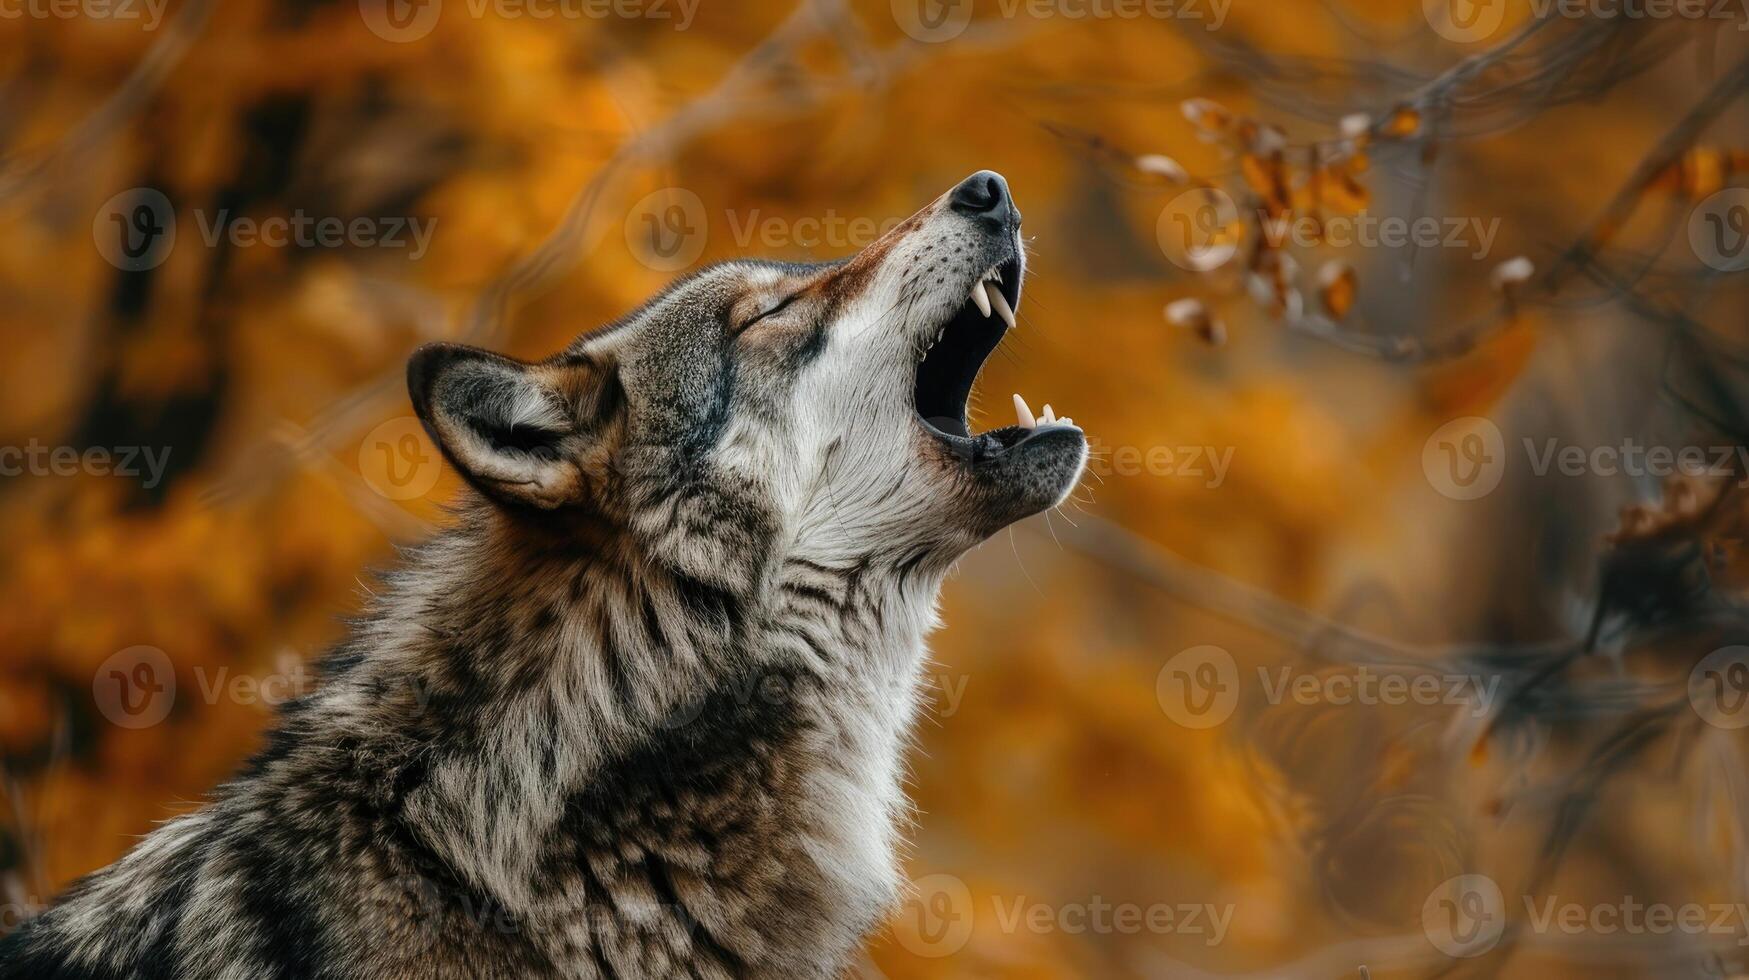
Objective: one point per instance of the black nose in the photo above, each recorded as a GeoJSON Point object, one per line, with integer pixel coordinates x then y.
{"type": "Point", "coordinates": [985, 195]}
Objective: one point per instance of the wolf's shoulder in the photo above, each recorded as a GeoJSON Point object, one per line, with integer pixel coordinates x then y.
{"type": "Point", "coordinates": [31, 953]}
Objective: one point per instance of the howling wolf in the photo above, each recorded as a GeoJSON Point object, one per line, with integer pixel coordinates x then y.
{"type": "Point", "coordinates": [641, 711]}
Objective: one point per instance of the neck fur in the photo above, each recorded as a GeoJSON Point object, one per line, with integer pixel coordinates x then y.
{"type": "Point", "coordinates": [505, 675]}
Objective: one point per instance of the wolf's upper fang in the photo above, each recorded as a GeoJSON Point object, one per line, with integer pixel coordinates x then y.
{"type": "Point", "coordinates": [980, 298]}
{"type": "Point", "coordinates": [1003, 310]}
{"type": "Point", "coordinates": [986, 298]}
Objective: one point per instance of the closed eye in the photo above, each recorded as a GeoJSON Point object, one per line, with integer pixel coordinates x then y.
{"type": "Point", "coordinates": [773, 310]}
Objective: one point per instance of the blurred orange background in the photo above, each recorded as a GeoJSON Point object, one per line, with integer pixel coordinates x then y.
{"type": "Point", "coordinates": [1265, 402]}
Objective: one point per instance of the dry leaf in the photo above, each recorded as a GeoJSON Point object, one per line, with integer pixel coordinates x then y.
{"type": "Point", "coordinates": [1209, 117]}
{"type": "Point", "coordinates": [1191, 314]}
{"type": "Point", "coordinates": [1160, 165]}
{"type": "Point", "coordinates": [1337, 286]}
{"type": "Point", "coordinates": [1402, 123]}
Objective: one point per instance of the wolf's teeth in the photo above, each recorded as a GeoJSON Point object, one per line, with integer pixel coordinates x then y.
{"type": "Point", "coordinates": [980, 298]}
{"type": "Point", "coordinates": [1023, 414]}
{"type": "Point", "coordinates": [940, 334]}
{"type": "Point", "coordinates": [1065, 420]}
{"type": "Point", "coordinates": [1003, 310]}
{"type": "Point", "coordinates": [1047, 416]}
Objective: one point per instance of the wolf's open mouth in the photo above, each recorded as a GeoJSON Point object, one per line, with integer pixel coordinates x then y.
{"type": "Point", "coordinates": [953, 359]}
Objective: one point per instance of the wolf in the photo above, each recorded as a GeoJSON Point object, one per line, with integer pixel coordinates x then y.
{"type": "Point", "coordinates": [641, 710]}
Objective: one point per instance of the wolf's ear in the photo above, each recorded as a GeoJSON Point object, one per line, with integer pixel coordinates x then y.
{"type": "Point", "coordinates": [510, 427]}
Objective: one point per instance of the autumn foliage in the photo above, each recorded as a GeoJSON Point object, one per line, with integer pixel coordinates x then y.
{"type": "Point", "coordinates": [1217, 296]}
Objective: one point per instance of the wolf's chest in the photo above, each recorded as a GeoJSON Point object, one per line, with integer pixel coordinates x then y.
{"type": "Point", "coordinates": [757, 834]}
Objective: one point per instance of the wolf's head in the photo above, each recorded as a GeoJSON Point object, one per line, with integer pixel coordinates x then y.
{"type": "Point", "coordinates": [763, 410]}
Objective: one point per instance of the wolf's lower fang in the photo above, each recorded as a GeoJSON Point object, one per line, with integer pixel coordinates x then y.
{"type": "Point", "coordinates": [1022, 413]}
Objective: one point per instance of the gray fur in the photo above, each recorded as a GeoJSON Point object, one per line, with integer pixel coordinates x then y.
{"type": "Point", "coordinates": [641, 711]}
